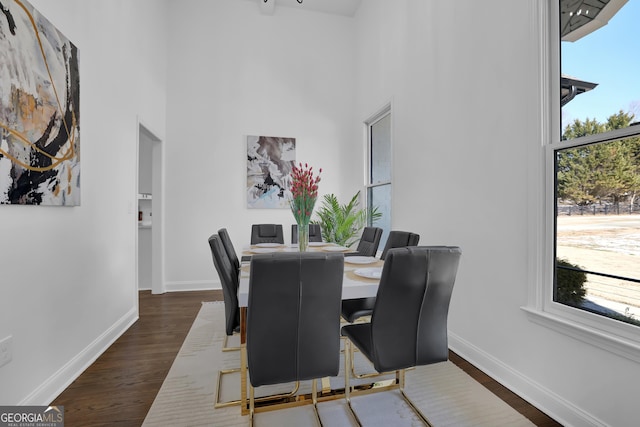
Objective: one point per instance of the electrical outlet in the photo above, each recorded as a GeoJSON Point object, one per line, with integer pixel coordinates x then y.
{"type": "Point", "coordinates": [6, 352]}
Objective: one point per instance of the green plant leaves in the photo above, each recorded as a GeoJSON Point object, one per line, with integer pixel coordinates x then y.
{"type": "Point", "coordinates": [343, 224]}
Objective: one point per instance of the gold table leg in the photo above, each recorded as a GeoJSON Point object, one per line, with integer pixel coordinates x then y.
{"type": "Point", "coordinates": [244, 410]}
{"type": "Point", "coordinates": [326, 385]}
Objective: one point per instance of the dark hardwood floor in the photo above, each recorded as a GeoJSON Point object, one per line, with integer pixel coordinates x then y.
{"type": "Point", "coordinates": [119, 388]}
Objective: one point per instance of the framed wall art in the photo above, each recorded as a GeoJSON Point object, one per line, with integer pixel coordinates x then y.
{"type": "Point", "coordinates": [269, 163]}
{"type": "Point", "coordinates": [39, 110]}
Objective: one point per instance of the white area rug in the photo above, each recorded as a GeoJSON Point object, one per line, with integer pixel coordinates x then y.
{"type": "Point", "coordinates": [444, 393]}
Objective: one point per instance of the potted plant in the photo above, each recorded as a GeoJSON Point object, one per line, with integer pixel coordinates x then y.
{"type": "Point", "coordinates": [343, 224]}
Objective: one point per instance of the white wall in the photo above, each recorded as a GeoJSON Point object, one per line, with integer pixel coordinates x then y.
{"type": "Point", "coordinates": [235, 72]}
{"type": "Point", "coordinates": [463, 77]}
{"type": "Point", "coordinates": [68, 274]}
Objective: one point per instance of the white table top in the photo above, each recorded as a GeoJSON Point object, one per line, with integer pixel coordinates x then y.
{"type": "Point", "coordinates": [352, 285]}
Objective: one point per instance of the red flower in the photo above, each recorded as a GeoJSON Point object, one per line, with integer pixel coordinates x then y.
{"type": "Point", "coordinates": [304, 191]}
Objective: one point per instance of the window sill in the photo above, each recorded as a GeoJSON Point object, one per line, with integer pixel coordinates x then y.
{"type": "Point", "coordinates": [621, 346]}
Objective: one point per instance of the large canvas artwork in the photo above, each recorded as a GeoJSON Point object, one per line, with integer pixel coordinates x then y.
{"type": "Point", "coordinates": [269, 163]}
{"type": "Point", "coordinates": [39, 110]}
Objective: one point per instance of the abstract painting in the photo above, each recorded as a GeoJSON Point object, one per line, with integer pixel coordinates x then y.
{"type": "Point", "coordinates": [269, 163]}
{"type": "Point", "coordinates": [39, 110]}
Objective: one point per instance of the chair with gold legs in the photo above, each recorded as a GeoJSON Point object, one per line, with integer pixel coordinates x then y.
{"type": "Point", "coordinates": [235, 263]}
{"type": "Point", "coordinates": [409, 321]}
{"type": "Point", "coordinates": [293, 323]}
{"type": "Point", "coordinates": [353, 309]}
{"type": "Point", "coordinates": [228, 275]}
{"type": "Point", "coordinates": [228, 267]}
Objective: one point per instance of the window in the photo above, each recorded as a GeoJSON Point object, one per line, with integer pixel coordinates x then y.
{"type": "Point", "coordinates": [597, 169]}
{"type": "Point", "coordinates": [597, 233]}
{"type": "Point", "coordinates": [585, 282]}
{"type": "Point", "coordinates": [379, 170]}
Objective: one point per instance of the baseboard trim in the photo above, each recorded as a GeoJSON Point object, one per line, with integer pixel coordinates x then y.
{"type": "Point", "coordinates": [60, 380]}
{"type": "Point", "coordinates": [542, 398]}
{"type": "Point", "coordinates": [192, 285]}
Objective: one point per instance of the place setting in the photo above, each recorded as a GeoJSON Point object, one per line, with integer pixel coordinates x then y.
{"type": "Point", "coordinates": [318, 244]}
{"type": "Point", "coordinates": [360, 259]}
{"type": "Point", "coordinates": [334, 248]}
{"type": "Point", "coordinates": [369, 273]}
{"type": "Point", "coordinates": [266, 248]}
{"type": "Point", "coordinates": [268, 245]}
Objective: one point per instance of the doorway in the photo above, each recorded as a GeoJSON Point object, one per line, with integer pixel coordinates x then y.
{"type": "Point", "coordinates": [149, 214]}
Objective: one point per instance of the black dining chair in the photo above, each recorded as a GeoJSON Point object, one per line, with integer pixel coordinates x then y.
{"type": "Point", "coordinates": [229, 279]}
{"type": "Point", "coordinates": [228, 247]}
{"type": "Point", "coordinates": [399, 239]}
{"type": "Point", "coordinates": [353, 309]}
{"type": "Point", "coordinates": [266, 233]}
{"type": "Point", "coordinates": [369, 242]}
{"type": "Point", "coordinates": [293, 321]}
{"type": "Point", "coordinates": [315, 233]}
{"type": "Point", "coordinates": [409, 322]}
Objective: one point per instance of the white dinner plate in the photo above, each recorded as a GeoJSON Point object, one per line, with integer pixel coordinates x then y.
{"type": "Point", "coordinates": [268, 245]}
{"type": "Point", "coordinates": [335, 249]}
{"type": "Point", "coordinates": [360, 259]}
{"type": "Point", "coordinates": [263, 250]}
{"type": "Point", "coordinates": [369, 273]}
{"type": "Point", "coordinates": [317, 244]}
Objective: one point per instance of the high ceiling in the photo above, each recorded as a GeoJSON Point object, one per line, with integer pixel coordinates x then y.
{"type": "Point", "coordinates": [578, 17]}
{"type": "Point", "coordinates": [334, 7]}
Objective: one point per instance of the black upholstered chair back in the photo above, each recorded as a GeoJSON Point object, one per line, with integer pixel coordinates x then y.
{"type": "Point", "coordinates": [266, 233]}
{"type": "Point", "coordinates": [352, 309]}
{"type": "Point", "coordinates": [409, 320]}
{"type": "Point", "coordinates": [229, 279]}
{"type": "Point", "coordinates": [293, 316]}
{"type": "Point", "coordinates": [369, 241]}
{"type": "Point", "coordinates": [400, 239]}
{"type": "Point", "coordinates": [228, 247]}
{"type": "Point", "coordinates": [315, 233]}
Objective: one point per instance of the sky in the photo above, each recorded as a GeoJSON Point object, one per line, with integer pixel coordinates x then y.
{"type": "Point", "coordinates": [610, 56]}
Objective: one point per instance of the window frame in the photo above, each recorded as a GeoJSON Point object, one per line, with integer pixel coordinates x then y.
{"type": "Point", "coordinates": [383, 112]}
{"type": "Point", "coordinates": [610, 335]}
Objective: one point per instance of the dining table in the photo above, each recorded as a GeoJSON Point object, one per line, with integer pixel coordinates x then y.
{"type": "Point", "coordinates": [361, 279]}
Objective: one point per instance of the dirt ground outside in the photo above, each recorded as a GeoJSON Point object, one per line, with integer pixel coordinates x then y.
{"type": "Point", "coordinates": [607, 244]}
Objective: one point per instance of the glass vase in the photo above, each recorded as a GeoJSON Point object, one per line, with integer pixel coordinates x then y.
{"type": "Point", "coordinates": [303, 237]}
